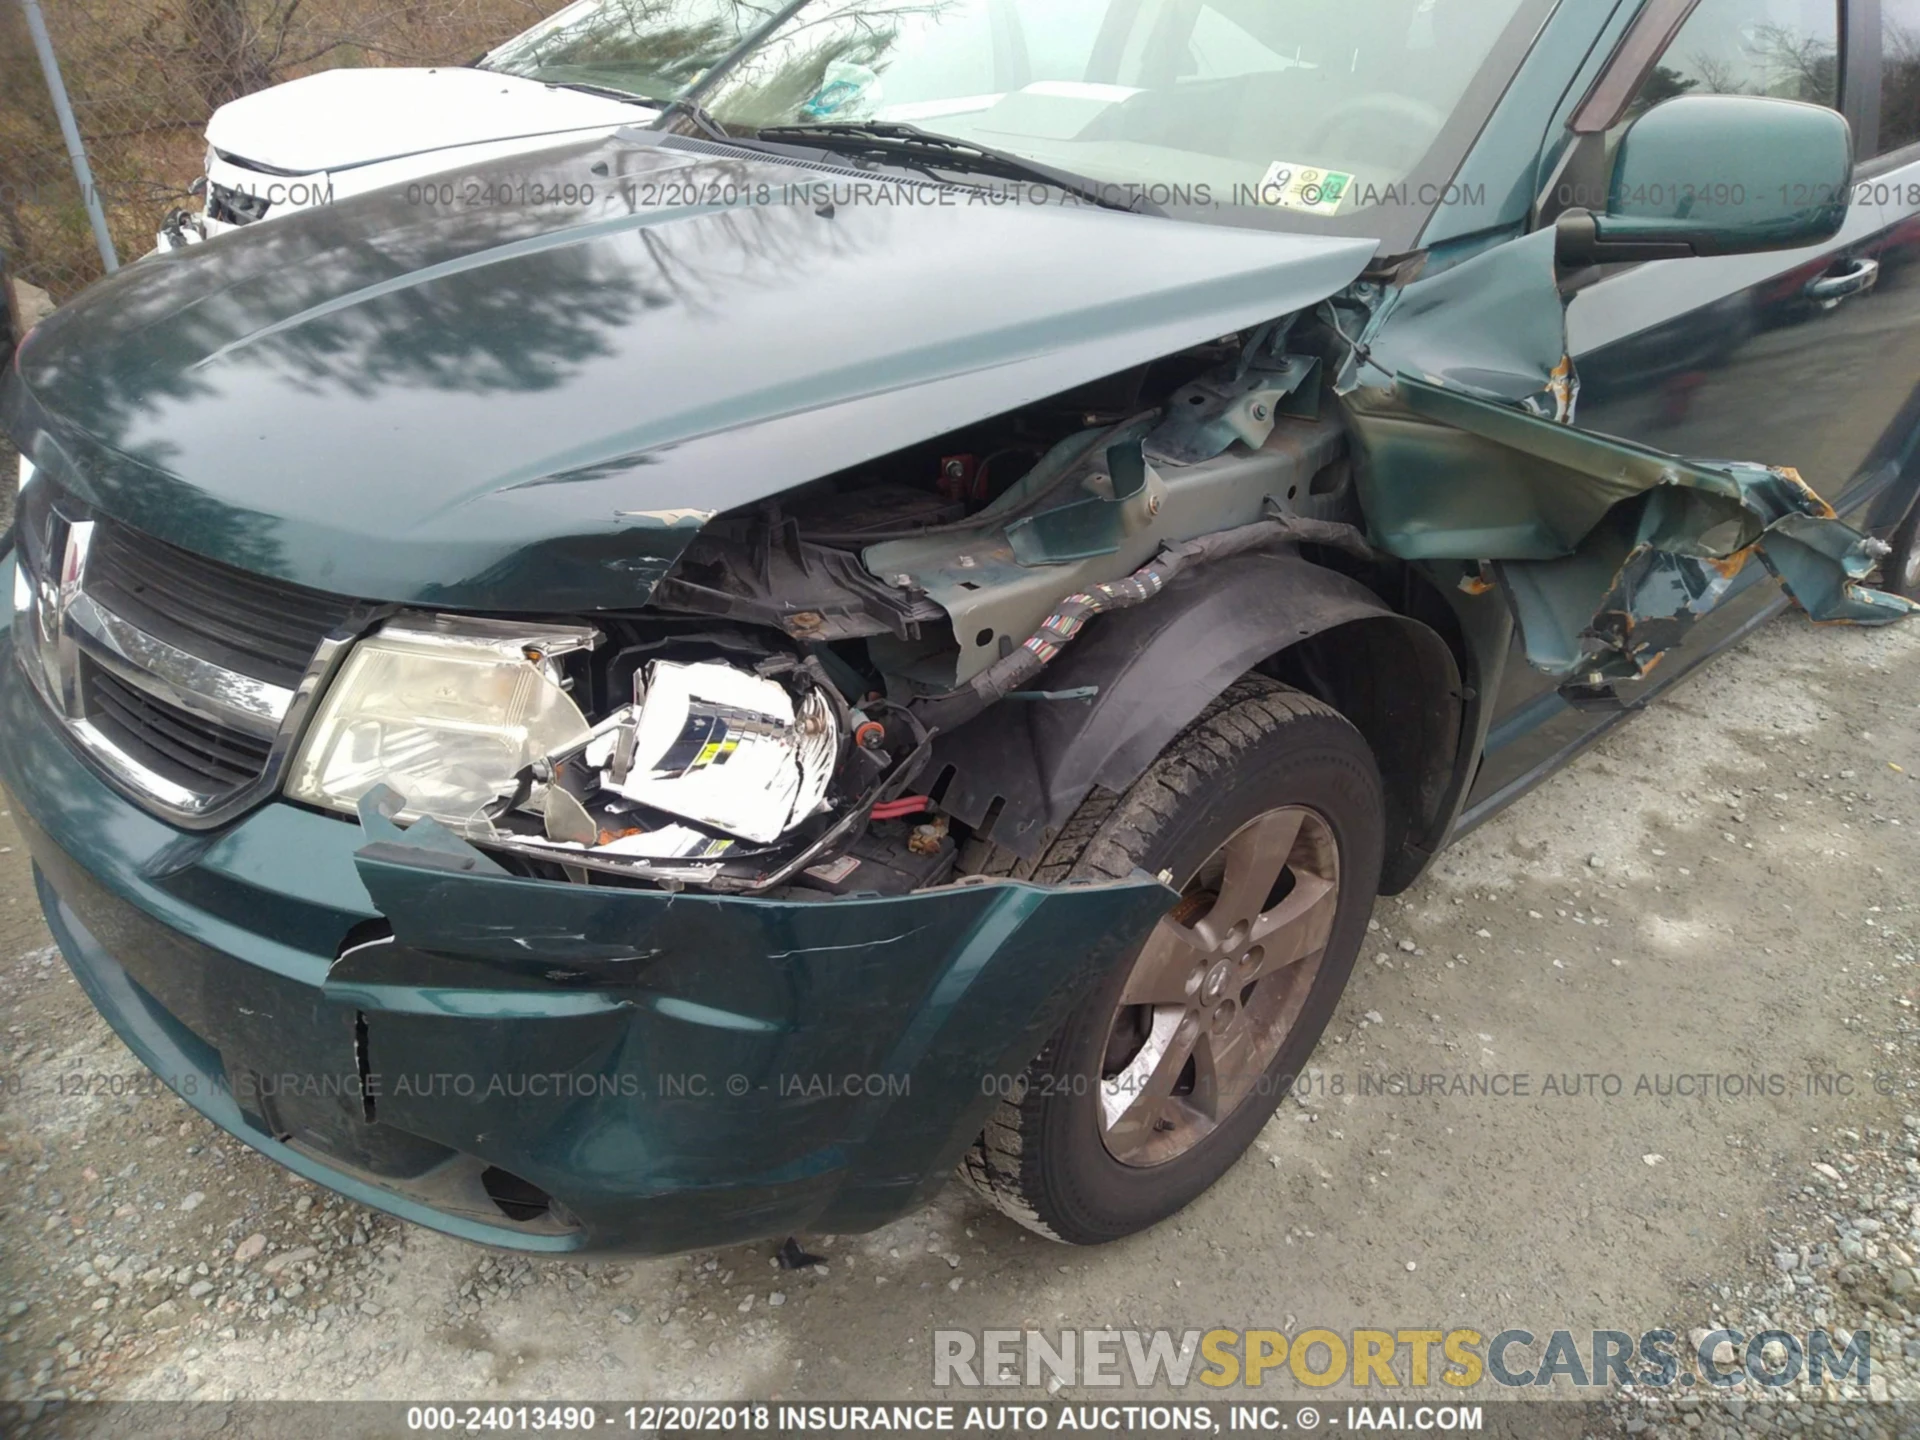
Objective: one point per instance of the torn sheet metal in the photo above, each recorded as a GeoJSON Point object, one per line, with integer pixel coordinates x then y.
{"type": "Point", "coordinates": [1494, 325]}
{"type": "Point", "coordinates": [1463, 396]}
{"type": "Point", "coordinates": [1680, 563]}
{"type": "Point", "coordinates": [1610, 551]}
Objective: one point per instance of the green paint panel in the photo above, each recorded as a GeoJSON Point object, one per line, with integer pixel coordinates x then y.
{"type": "Point", "coordinates": [1609, 550]}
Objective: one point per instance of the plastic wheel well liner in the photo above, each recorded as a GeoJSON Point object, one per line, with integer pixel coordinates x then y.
{"type": "Point", "coordinates": [1029, 764]}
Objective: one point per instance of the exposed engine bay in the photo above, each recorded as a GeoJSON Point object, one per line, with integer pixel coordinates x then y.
{"type": "Point", "coordinates": [722, 767]}
{"type": "Point", "coordinates": [765, 724]}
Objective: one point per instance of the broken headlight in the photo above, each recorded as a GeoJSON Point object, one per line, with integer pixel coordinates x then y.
{"type": "Point", "coordinates": [725, 749]}
{"type": "Point", "coordinates": [448, 714]}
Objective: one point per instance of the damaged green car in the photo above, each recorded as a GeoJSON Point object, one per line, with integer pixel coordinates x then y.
{"type": "Point", "coordinates": [898, 613]}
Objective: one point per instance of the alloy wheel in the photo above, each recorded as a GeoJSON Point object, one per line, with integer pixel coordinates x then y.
{"type": "Point", "coordinates": [1218, 985]}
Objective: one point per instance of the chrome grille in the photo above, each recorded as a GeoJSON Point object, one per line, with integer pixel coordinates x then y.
{"type": "Point", "coordinates": [193, 753]}
{"type": "Point", "coordinates": [257, 627]}
{"type": "Point", "coordinates": [183, 679]}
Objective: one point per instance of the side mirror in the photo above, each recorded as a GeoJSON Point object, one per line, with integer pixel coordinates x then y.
{"type": "Point", "coordinates": [1718, 175]}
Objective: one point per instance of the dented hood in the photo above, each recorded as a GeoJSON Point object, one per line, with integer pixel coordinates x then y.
{"type": "Point", "coordinates": [498, 403]}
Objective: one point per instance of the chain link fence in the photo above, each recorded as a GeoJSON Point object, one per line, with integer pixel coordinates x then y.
{"type": "Point", "coordinates": [143, 77]}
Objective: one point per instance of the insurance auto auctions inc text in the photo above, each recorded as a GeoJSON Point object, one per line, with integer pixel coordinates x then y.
{"type": "Point", "coordinates": [1380, 1361]}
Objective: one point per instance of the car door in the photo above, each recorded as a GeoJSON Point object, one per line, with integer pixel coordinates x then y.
{"type": "Point", "coordinates": [1886, 55]}
{"type": "Point", "coordinates": [1788, 358]}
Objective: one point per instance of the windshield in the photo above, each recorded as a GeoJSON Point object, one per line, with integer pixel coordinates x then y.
{"type": "Point", "coordinates": [1317, 107]}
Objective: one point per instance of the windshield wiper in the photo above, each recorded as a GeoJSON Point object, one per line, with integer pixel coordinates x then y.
{"type": "Point", "coordinates": [587, 87]}
{"type": "Point", "coordinates": [896, 140]}
{"type": "Point", "coordinates": [670, 110]}
{"type": "Point", "coordinates": [702, 118]}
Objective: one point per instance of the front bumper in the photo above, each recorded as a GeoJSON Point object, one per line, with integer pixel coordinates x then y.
{"type": "Point", "coordinates": [545, 1066]}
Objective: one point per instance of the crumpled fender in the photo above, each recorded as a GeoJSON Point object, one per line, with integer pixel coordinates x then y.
{"type": "Point", "coordinates": [1609, 551]}
{"type": "Point", "coordinates": [1464, 400]}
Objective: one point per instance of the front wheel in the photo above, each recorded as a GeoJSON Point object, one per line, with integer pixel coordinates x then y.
{"type": "Point", "coordinates": [1267, 812]}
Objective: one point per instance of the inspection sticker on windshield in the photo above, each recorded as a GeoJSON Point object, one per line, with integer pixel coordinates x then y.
{"type": "Point", "coordinates": [1305, 187]}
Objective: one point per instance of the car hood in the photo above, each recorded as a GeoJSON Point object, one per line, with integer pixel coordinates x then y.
{"type": "Point", "coordinates": [536, 405]}
{"type": "Point", "coordinates": [339, 119]}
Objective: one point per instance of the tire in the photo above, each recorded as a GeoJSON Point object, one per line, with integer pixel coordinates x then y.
{"type": "Point", "coordinates": [1215, 804]}
{"type": "Point", "coordinates": [1900, 571]}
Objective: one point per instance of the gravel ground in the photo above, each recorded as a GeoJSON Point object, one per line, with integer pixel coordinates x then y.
{"type": "Point", "coordinates": [1724, 887]}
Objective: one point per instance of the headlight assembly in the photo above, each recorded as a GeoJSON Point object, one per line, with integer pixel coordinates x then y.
{"type": "Point", "coordinates": [468, 721]}
{"type": "Point", "coordinates": [448, 714]}
{"type": "Point", "coordinates": [727, 750]}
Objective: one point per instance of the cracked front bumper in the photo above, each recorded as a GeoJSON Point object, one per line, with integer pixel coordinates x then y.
{"type": "Point", "coordinates": [649, 1072]}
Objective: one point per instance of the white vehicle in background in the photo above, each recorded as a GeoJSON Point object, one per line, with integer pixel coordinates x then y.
{"type": "Point", "coordinates": [582, 72]}
{"type": "Point", "coordinates": [340, 133]}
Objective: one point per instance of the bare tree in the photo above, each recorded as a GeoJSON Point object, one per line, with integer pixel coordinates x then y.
{"type": "Point", "coordinates": [224, 41]}
{"type": "Point", "coordinates": [1799, 66]}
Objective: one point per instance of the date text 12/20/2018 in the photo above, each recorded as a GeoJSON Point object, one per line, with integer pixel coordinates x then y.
{"type": "Point", "coordinates": [1138, 1418]}
{"type": "Point", "coordinates": [577, 1419]}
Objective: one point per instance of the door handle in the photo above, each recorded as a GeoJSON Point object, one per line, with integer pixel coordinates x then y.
{"type": "Point", "coordinates": [1858, 277]}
